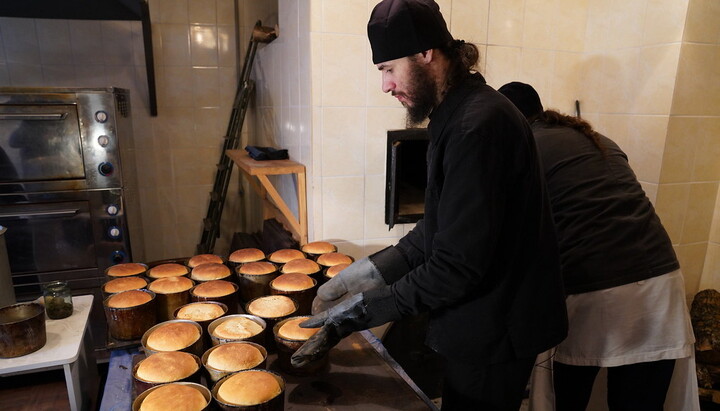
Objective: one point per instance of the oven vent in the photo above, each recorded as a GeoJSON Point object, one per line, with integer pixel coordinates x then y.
{"type": "Point", "coordinates": [123, 105]}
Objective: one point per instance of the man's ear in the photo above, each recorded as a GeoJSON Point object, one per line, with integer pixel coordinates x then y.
{"type": "Point", "coordinates": [427, 56]}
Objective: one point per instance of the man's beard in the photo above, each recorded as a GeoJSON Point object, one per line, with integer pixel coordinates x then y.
{"type": "Point", "coordinates": [423, 94]}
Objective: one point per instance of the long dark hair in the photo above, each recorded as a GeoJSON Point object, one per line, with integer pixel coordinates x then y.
{"type": "Point", "coordinates": [463, 59]}
{"type": "Point", "coordinates": [553, 118]}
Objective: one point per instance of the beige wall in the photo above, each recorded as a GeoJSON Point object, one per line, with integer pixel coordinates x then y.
{"type": "Point", "coordinates": [644, 71]}
{"type": "Point", "coordinates": [194, 50]}
{"type": "Point", "coordinates": [695, 124]}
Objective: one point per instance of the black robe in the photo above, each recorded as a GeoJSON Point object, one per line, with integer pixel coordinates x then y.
{"type": "Point", "coordinates": [484, 260]}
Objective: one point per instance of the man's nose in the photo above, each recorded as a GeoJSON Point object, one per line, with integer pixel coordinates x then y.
{"type": "Point", "coordinates": [387, 84]}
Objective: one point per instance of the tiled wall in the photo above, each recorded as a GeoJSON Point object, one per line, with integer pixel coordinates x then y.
{"type": "Point", "coordinates": [194, 50]}
{"type": "Point", "coordinates": [695, 134]}
{"type": "Point", "coordinates": [627, 63]}
{"type": "Point", "coordinates": [644, 71]}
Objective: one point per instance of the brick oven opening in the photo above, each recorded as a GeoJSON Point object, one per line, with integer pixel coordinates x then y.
{"type": "Point", "coordinates": [406, 175]}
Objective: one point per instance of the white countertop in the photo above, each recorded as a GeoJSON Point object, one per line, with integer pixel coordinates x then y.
{"type": "Point", "coordinates": [64, 338]}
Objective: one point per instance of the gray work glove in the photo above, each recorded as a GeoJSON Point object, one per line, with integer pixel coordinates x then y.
{"type": "Point", "coordinates": [362, 275]}
{"type": "Point", "coordinates": [359, 312]}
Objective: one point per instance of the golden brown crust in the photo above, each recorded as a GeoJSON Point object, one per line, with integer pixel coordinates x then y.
{"type": "Point", "coordinates": [257, 268]}
{"type": "Point", "coordinates": [237, 328]}
{"type": "Point", "coordinates": [167, 270]}
{"type": "Point", "coordinates": [174, 397]}
{"type": "Point", "coordinates": [126, 299]}
{"type": "Point", "coordinates": [246, 255]}
{"type": "Point", "coordinates": [124, 284]}
{"type": "Point", "coordinates": [331, 259]}
{"type": "Point", "coordinates": [291, 330]}
{"type": "Point", "coordinates": [272, 306]}
{"type": "Point", "coordinates": [126, 269]}
{"type": "Point", "coordinates": [210, 271]}
{"type": "Point", "coordinates": [167, 367]}
{"type": "Point", "coordinates": [170, 285]}
{"type": "Point", "coordinates": [196, 260]}
{"type": "Point", "coordinates": [214, 288]}
{"type": "Point", "coordinates": [285, 255]}
{"type": "Point", "coordinates": [200, 311]}
{"type": "Point", "coordinates": [173, 336]}
{"type": "Point", "coordinates": [334, 270]}
{"type": "Point", "coordinates": [292, 282]}
{"type": "Point", "coordinates": [301, 265]}
{"type": "Point", "coordinates": [249, 388]}
{"type": "Point", "coordinates": [319, 247]}
{"type": "Point", "coordinates": [234, 357]}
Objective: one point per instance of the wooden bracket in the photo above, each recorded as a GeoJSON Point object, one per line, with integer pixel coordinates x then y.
{"type": "Point", "coordinates": [273, 203]}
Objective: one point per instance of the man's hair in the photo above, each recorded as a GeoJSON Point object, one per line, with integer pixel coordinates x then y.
{"type": "Point", "coordinates": [554, 118]}
{"type": "Point", "coordinates": [463, 58]}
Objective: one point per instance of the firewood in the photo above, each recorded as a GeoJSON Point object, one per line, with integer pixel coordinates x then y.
{"type": "Point", "coordinates": [705, 317]}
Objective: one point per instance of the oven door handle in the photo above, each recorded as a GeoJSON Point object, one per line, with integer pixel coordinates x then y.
{"type": "Point", "coordinates": [40, 214]}
{"type": "Point", "coordinates": [30, 116]}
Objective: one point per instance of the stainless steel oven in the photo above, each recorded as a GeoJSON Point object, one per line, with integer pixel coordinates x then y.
{"type": "Point", "coordinates": [67, 192]}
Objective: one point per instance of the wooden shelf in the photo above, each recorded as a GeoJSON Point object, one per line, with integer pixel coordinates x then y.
{"type": "Point", "coordinates": [273, 204]}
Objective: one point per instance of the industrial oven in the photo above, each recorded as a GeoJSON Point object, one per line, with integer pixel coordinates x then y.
{"type": "Point", "coordinates": [67, 192]}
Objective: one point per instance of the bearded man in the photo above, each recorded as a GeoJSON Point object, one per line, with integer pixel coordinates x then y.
{"type": "Point", "coordinates": [483, 261]}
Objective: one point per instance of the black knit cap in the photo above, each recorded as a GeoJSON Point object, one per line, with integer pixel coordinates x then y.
{"type": "Point", "coordinates": [524, 96]}
{"type": "Point", "coordinates": [400, 28]}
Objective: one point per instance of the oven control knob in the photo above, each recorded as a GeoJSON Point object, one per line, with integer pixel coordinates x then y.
{"type": "Point", "coordinates": [106, 169]}
{"type": "Point", "coordinates": [112, 209]}
{"type": "Point", "coordinates": [101, 116]}
{"type": "Point", "coordinates": [114, 232]}
{"type": "Point", "coordinates": [103, 140]}
{"type": "Point", "coordinates": [118, 257]}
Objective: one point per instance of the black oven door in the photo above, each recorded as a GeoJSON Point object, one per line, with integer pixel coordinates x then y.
{"type": "Point", "coordinates": [40, 143]}
{"type": "Point", "coordinates": [43, 237]}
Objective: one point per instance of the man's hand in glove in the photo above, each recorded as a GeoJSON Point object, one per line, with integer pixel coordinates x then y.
{"type": "Point", "coordinates": [359, 312]}
{"type": "Point", "coordinates": [360, 276]}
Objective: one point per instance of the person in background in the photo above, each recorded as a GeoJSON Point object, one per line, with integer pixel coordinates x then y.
{"type": "Point", "coordinates": [626, 297]}
{"type": "Point", "coordinates": [484, 261]}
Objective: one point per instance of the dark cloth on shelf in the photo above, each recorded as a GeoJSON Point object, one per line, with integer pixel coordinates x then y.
{"type": "Point", "coordinates": [266, 153]}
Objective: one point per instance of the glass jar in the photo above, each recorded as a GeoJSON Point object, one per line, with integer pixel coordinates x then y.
{"type": "Point", "coordinates": [58, 299]}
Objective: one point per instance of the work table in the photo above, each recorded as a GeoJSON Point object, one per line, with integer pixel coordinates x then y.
{"type": "Point", "coordinates": [361, 376]}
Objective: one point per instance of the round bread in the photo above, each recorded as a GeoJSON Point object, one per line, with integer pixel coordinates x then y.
{"type": "Point", "coordinates": [334, 270]}
{"type": "Point", "coordinates": [130, 298]}
{"type": "Point", "coordinates": [249, 388]}
{"type": "Point", "coordinates": [196, 260]}
{"type": "Point", "coordinates": [272, 306]}
{"type": "Point", "coordinates": [170, 285]}
{"type": "Point", "coordinates": [237, 328]}
{"type": "Point", "coordinates": [285, 255]}
{"type": "Point", "coordinates": [167, 367]}
{"type": "Point", "coordinates": [292, 282]}
{"type": "Point", "coordinates": [257, 268]}
{"type": "Point", "coordinates": [210, 271]}
{"type": "Point", "coordinates": [246, 255]}
{"type": "Point", "coordinates": [124, 284]}
{"type": "Point", "coordinates": [291, 330]}
{"type": "Point", "coordinates": [214, 288]}
{"type": "Point", "coordinates": [173, 336]}
{"type": "Point", "coordinates": [200, 311]}
{"type": "Point", "coordinates": [301, 265]}
{"type": "Point", "coordinates": [178, 397]}
{"type": "Point", "coordinates": [234, 357]}
{"type": "Point", "coordinates": [126, 269]}
{"type": "Point", "coordinates": [331, 259]}
{"type": "Point", "coordinates": [319, 247]}
{"type": "Point", "coordinates": [167, 270]}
